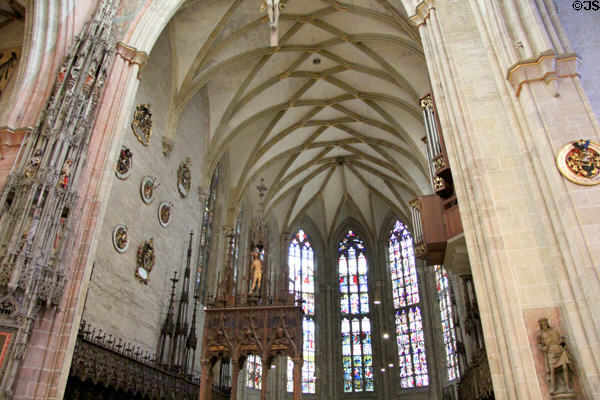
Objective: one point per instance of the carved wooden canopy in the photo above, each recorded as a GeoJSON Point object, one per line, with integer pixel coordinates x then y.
{"type": "Point", "coordinates": [267, 331]}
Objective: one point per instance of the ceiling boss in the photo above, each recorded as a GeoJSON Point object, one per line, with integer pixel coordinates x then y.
{"type": "Point", "coordinates": [273, 7]}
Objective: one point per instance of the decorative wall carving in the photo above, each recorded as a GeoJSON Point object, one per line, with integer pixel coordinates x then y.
{"type": "Point", "coordinates": [133, 56]}
{"type": "Point", "coordinates": [121, 238]}
{"type": "Point", "coordinates": [147, 188]}
{"type": "Point", "coordinates": [38, 199]}
{"type": "Point", "coordinates": [125, 163]}
{"type": "Point", "coordinates": [167, 145]}
{"type": "Point", "coordinates": [142, 123]}
{"type": "Point", "coordinates": [184, 178]}
{"type": "Point", "coordinates": [164, 213]}
{"type": "Point", "coordinates": [145, 260]}
{"type": "Point", "coordinates": [579, 162]}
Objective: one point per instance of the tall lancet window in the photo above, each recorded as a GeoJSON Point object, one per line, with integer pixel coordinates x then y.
{"type": "Point", "coordinates": [447, 317]}
{"type": "Point", "coordinates": [357, 354]}
{"type": "Point", "coordinates": [302, 284]}
{"type": "Point", "coordinates": [409, 325]}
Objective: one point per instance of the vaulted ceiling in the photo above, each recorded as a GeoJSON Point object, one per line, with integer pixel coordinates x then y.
{"type": "Point", "coordinates": [329, 118]}
{"type": "Point", "coordinates": [11, 11]}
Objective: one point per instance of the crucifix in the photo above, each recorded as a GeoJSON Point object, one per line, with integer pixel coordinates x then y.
{"type": "Point", "coordinates": [273, 7]}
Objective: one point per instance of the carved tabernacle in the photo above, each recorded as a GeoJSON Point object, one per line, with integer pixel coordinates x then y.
{"type": "Point", "coordinates": [235, 333]}
{"type": "Point", "coordinates": [39, 201]}
{"type": "Point", "coordinates": [252, 318]}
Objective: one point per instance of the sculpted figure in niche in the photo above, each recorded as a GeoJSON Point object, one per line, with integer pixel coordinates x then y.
{"type": "Point", "coordinates": [558, 362]}
{"type": "Point", "coordinates": [33, 164]}
{"type": "Point", "coordinates": [65, 174]}
{"type": "Point", "coordinates": [257, 270]}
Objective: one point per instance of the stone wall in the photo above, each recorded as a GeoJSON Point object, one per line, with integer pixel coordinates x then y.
{"type": "Point", "coordinates": [583, 31]}
{"type": "Point", "coordinates": [117, 301]}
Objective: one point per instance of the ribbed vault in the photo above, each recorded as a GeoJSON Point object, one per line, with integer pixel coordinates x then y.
{"type": "Point", "coordinates": [329, 118]}
{"type": "Point", "coordinates": [11, 11]}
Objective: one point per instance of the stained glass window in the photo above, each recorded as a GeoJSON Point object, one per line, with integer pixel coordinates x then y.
{"type": "Point", "coordinates": [409, 323]}
{"type": "Point", "coordinates": [254, 372]}
{"type": "Point", "coordinates": [447, 317]}
{"type": "Point", "coordinates": [208, 216]}
{"type": "Point", "coordinates": [357, 353]}
{"type": "Point", "coordinates": [302, 284]}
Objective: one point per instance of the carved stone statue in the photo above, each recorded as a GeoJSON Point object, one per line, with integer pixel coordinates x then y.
{"type": "Point", "coordinates": [33, 164]}
{"type": "Point", "coordinates": [273, 8]}
{"type": "Point", "coordinates": [65, 174]}
{"type": "Point", "coordinates": [184, 178]}
{"type": "Point", "coordinates": [257, 270]}
{"type": "Point", "coordinates": [558, 362]}
{"type": "Point", "coordinates": [273, 11]}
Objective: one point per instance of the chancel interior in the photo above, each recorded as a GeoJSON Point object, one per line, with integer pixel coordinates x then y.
{"type": "Point", "coordinates": [286, 199]}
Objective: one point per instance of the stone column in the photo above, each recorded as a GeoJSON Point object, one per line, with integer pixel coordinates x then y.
{"type": "Point", "coordinates": [298, 361]}
{"type": "Point", "coordinates": [529, 231]}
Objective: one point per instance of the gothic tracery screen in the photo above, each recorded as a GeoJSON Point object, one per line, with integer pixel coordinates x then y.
{"type": "Point", "coordinates": [357, 354]}
{"type": "Point", "coordinates": [302, 284]}
{"type": "Point", "coordinates": [409, 324]}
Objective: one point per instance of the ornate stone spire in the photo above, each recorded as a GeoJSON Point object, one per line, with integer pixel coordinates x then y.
{"type": "Point", "coordinates": [40, 195]}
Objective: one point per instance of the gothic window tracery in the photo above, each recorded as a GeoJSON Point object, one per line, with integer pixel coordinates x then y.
{"type": "Point", "coordinates": [410, 339]}
{"type": "Point", "coordinates": [254, 372]}
{"type": "Point", "coordinates": [302, 284]}
{"type": "Point", "coordinates": [357, 354]}
{"type": "Point", "coordinates": [447, 318]}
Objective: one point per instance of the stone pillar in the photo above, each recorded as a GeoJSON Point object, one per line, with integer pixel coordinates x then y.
{"type": "Point", "coordinates": [529, 231]}
{"type": "Point", "coordinates": [298, 361]}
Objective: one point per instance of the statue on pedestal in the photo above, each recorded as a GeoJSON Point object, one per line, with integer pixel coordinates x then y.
{"type": "Point", "coordinates": [257, 271]}
{"type": "Point", "coordinates": [558, 362]}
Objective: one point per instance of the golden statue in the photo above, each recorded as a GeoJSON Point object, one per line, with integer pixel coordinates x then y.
{"type": "Point", "coordinates": [257, 271]}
